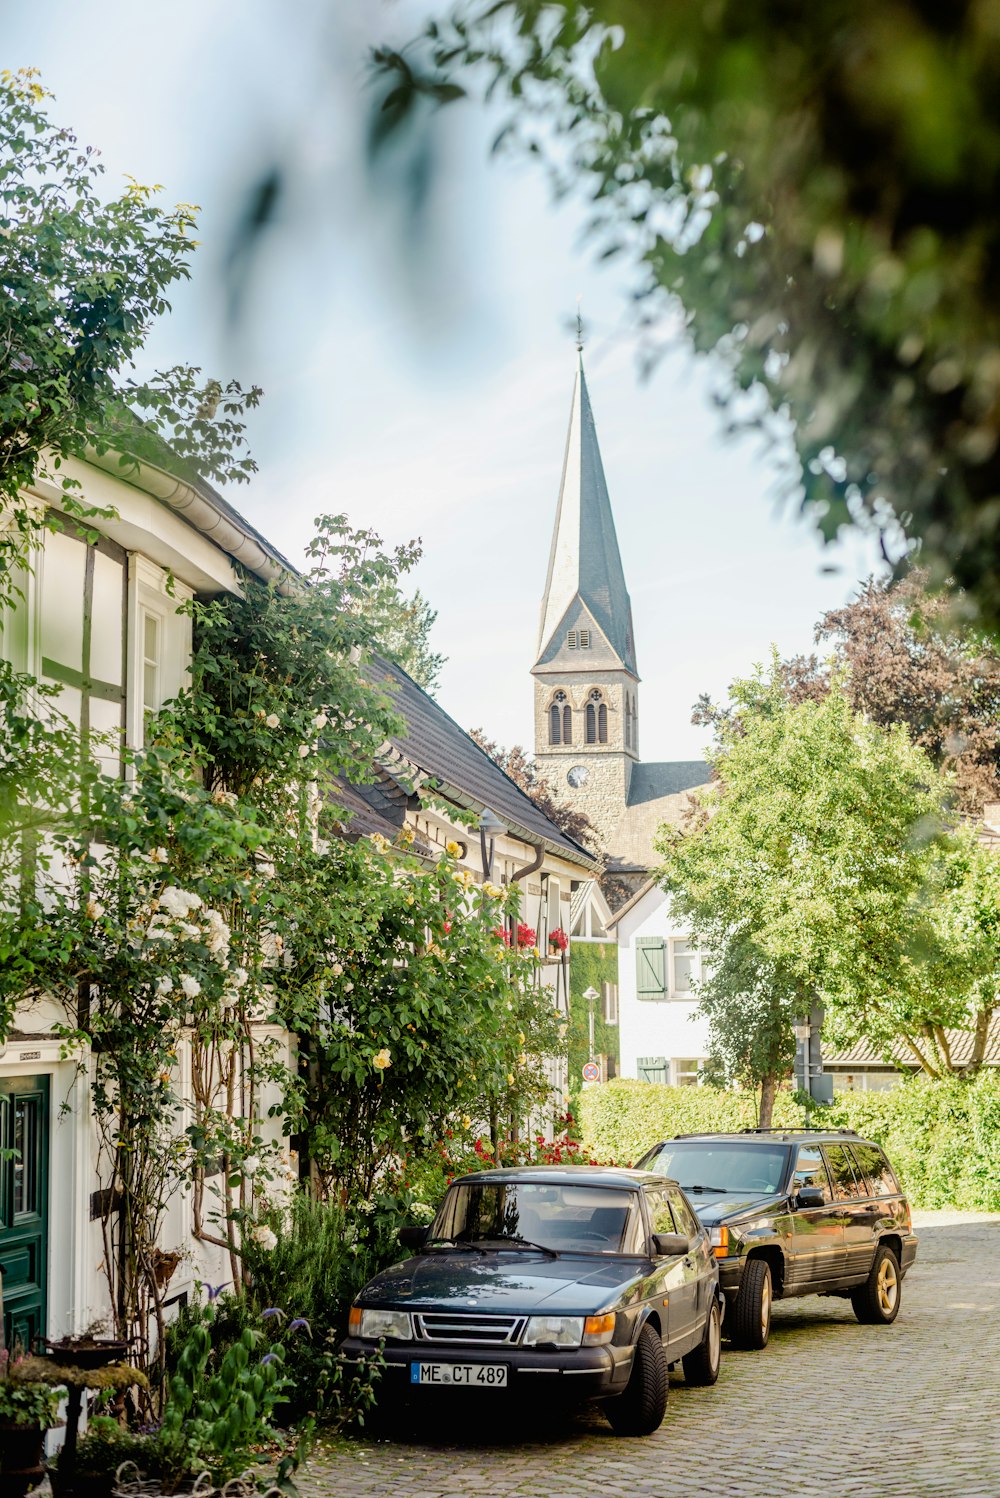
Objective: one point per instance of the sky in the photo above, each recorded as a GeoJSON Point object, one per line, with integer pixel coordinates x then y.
{"type": "Point", "coordinates": [422, 384]}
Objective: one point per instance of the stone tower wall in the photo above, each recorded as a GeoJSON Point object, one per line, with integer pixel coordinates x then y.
{"type": "Point", "coordinates": [603, 795]}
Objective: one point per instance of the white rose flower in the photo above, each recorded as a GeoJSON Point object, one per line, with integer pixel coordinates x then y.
{"type": "Point", "coordinates": [272, 720]}
{"type": "Point", "coordinates": [251, 1165]}
{"type": "Point", "coordinates": [190, 986]}
{"type": "Point", "coordinates": [179, 902]}
{"type": "Point", "coordinates": [304, 751]}
{"type": "Point", "coordinates": [264, 1237]}
{"type": "Point", "coordinates": [320, 721]}
{"type": "Point", "coordinates": [164, 986]}
{"type": "Point", "coordinates": [239, 977]}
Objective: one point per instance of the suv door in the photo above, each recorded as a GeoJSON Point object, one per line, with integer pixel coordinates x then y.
{"type": "Point", "coordinates": [816, 1249]}
{"type": "Point", "coordinates": [679, 1282]}
{"type": "Point", "coordinates": [860, 1214]}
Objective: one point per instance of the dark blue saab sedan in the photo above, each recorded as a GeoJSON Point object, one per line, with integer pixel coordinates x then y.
{"type": "Point", "coordinates": [577, 1280]}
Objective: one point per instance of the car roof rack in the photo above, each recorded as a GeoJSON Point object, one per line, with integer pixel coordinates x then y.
{"type": "Point", "coordinates": [783, 1133]}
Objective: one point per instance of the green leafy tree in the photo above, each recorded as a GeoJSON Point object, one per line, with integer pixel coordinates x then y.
{"type": "Point", "coordinates": [82, 280]}
{"type": "Point", "coordinates": [402, 628]}
{"type": "Point", "coordinates": [750, 1004]}
{"type": "Point", "coordinates": [821, 852]}
{"type": "Point", "coordinates": [817, 186]}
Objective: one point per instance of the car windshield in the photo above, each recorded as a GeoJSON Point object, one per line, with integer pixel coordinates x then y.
{"type": "Point", "coordinates": [561, 1219]}
{"type": "Point", "coordinates": [720, 1165]}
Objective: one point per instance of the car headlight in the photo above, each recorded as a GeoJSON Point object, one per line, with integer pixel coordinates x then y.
{"type": "Point", "coordinates": [725, 1241]}
{"type": "Point", "coordinates": [373, 1324]}
{"type": "Point", "coordinates": [553, 1331]}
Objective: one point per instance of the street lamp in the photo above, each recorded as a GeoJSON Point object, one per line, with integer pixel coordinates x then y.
{"type": "Point", "coordinates": [490, 826]}
{"type": "Point", "coordinates": [591, 995]}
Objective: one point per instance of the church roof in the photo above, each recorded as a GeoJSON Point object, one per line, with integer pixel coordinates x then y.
{"type": "Point", "coordinates": [650, 782]}
{"type": "Point", "coordinates": [585, 566]}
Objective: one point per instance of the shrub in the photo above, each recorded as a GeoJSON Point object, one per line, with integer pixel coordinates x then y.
{"type": "Point", "coordinates": [620, 1120]}
{"type": "Point", "coordinates": [943, 1137]}
{"type": "Point", "coordinates": [105, 1447]}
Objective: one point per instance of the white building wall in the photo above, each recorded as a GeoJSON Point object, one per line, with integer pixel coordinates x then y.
{"type": "Point", "coordinates": [669, 1026]}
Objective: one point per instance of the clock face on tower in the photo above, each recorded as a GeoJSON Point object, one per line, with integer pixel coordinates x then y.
{"type": "Point", "coordinates": [578, 776]}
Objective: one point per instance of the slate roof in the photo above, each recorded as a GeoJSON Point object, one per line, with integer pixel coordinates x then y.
{"type": "Point", "coordinates": [585, 565]}
{"type": "Point", "coordinates": [435, 744]}
{"type": "Point", "coordinates": [650, 782]}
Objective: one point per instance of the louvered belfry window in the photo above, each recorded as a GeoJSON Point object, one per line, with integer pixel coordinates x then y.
{"type": "Point", "coordinates": [555, 724]}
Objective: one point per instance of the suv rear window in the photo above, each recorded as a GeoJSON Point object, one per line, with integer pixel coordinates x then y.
{"type": "Point", "coordinates": [845, 1187]}
{"type": "Point", "coordinates": [873, 1164]}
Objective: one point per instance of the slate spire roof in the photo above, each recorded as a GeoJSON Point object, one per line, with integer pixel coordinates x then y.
{"type": "Point", "coordinates": [585, 566]}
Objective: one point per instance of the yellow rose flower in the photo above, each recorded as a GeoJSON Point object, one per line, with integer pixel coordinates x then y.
{"type": "Point", "coordinates": [510, 1079]}
{"type": "Point", "coordinates": [466, 1121]}
{"type": "Point", "coordinates": [452, 849]}
{"type": "Point", "coordinates": [520, 1037]}
{"type": "Point", "coordinates": [382, 1059]}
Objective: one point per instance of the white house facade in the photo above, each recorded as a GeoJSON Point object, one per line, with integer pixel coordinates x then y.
{"type": "Point", "coordinates": [662, 1038]}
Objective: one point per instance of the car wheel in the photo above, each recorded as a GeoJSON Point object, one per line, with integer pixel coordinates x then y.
{"type": "Point", "coordinates": [701, 1367]}
{"type": "Point", "coordinates": [751, 1323]}
{"type": "Point", "coordinates": [876, 1302]}
{"type": "Point", "coordinates": [640, 1409]}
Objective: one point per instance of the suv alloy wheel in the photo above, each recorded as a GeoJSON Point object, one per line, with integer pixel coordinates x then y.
{"type": "Point", "coordinates": [876, 1302]}
{"type": "Point", "coordinates": [752, 1311]}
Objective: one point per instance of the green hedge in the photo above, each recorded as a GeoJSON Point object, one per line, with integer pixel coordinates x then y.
{"type": "Point", "coordinates": [943, 1138]}
{"type": "Point", "coordinates": [620, 1120]}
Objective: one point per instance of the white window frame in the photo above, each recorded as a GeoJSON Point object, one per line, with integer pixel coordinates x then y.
{"type": "Point", "coordinates": [683, 995]}
{"type": "Point", "coordinates": [151, 592]}
{"type": "Point", "coordinates": [681, 1073]}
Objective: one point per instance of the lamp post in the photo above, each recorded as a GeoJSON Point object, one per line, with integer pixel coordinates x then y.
{"type": "Point", "coordinates": [590, 994]}
{"type": "Point", "coordinates": [490, 827]}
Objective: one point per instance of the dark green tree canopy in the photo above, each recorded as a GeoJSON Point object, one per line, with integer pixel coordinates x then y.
{"type": "Point", "coordinates": [818, 185]}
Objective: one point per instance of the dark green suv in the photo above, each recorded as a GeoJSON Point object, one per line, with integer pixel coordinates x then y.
{"type": "Point", "coordinates": [794, 1212]}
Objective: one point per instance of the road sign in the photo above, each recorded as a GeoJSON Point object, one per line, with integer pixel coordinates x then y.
{"type": "Point", "coordinates": [591, 1071]}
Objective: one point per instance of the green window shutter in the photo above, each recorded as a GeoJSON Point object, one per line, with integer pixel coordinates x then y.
{"type": "Point", "coordinates": [652, 1068]}
{"type": "Point", "coordinates": [651, 967]}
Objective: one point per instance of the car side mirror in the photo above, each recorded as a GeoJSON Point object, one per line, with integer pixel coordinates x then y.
{"type": "Point", "coordinates": [811, 1196]}
{"type": "Point", "coordinates": [669, 1245]}
{"type": "Point", "coordinates": [413, 1237]}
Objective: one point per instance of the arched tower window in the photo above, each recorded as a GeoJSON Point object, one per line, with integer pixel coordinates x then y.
{"type": "Point", "coordinates": [560, 720]}
{"type": "Point", "coordinates": [635, 725]}
{"type": "Point", "coordinates": [597, 715]}
{"type": "Point", "coordinates": [628, 722]}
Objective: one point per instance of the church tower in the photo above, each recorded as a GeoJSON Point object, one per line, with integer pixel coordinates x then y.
{"type": "Point", "coordinates": [586, 681]}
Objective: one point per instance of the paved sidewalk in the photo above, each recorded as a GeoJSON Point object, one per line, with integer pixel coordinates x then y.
{"type": "Point", "coordinates": [830, 1408]}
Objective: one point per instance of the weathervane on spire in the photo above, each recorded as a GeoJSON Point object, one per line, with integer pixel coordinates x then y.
{"type": "Point", "coordinates": [579, 326]}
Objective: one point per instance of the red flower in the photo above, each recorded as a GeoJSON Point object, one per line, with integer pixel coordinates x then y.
{"type": "Point", "coordinates": [558, 939]}
{"type": "Point", "coordinates": [525, 935]}
{"type": "Point", "coordinates": [446, 927]}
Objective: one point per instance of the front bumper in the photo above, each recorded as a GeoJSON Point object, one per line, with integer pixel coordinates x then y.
{"type": "Point", "coordinates": [576, 1372]}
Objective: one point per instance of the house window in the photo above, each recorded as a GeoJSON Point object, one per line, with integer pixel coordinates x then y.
{"type": "Point", "coordinates": [552, 907]}
{"type": "Point", "coordinates": [686, 1070]}
{"type": "Point", "coordinates": [685, 963]}
{"type": "Point", "coordinates": [83, 627]}
{"type": "Point", "coordinates": [609, 998]}
{"type": "Point", "coordinates": [151, 656]}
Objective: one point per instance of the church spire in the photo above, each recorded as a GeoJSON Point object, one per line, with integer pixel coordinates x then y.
{"type": "Point", "coordinates": [585, 568]}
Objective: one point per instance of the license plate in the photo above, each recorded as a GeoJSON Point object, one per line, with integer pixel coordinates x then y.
{"type": "Point", "coordinates": [464, 1375]}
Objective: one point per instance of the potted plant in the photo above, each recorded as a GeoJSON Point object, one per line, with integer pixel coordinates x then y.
{"type": "Point", "coordinates": [558, 942]}
{"type": "Point", "coordinates": [99, 1456]}
{"type": "Point", "coordinates": [27, 1411]}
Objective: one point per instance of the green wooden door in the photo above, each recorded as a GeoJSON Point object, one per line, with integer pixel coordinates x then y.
{"type": "Point", "coordinates": [24, 1206]}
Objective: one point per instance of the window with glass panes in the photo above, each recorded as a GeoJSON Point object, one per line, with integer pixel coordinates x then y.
{"type": "Point", "coordinates": [684, 967]}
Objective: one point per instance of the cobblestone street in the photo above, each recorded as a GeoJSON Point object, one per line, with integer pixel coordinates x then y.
{"type": "Point", "coordinates": [830, 1407]}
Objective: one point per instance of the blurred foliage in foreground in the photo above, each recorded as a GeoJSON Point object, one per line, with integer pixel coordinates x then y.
{"type": "Point", "coordinates": [819, 186]}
